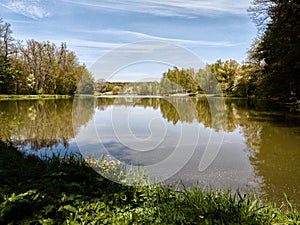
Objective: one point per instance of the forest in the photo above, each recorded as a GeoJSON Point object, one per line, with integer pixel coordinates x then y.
{"type": "Point", "coordinates": [32, 67]}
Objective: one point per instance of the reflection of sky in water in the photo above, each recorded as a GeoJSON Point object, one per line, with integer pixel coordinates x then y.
{"type": "Point", "coordinates": [134, 144]}
{"type": "Point", "coordinates": [260, 147]}
{"type": "Point", "coordinates": [58, 150]}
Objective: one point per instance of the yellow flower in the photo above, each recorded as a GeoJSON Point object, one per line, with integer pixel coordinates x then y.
{"type": "Point", "coordinates": [201, 217]}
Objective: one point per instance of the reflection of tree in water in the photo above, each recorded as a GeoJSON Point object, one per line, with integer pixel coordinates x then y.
{"type": "Point", "coordinates": [39, 123]}
{"type": "Point", "coordinates": [83, 110]}
{"type": "Point", "coordinates": [277, 158]}
{"type": "Point", "coordinates": [173, 109]}
{"type": "Point", "coordinates": [271, 137]}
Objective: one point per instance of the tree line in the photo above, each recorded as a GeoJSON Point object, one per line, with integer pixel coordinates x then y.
{"type": "Point", "coordinates": [271, 70]}
{"type": "Point", "coordinates": [32, 67]}
{"type": "Point", "coordinates": [228, 77]}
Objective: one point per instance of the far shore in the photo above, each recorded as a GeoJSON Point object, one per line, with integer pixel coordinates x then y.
{"type": "Point", "coordinates": [43, 96]}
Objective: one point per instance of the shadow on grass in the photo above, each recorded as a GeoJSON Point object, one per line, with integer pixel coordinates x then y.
{"type": "Point", "coordinates": [34, 190]}
{"type": "Point", "coordinates": [55, 191]}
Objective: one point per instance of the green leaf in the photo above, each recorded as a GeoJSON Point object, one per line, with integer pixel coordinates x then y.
{"type": "Point", "coordinates": [70, 208]}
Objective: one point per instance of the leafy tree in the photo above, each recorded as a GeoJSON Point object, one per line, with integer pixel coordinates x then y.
{"type": "Point", "coordinates": [7, 49]}
{"type": "Point", "coordinates": [86, 84]}
{"type": "Point", "coordinates": [39, 67]}
{"type": "Point", "coordinates": [179, 81]}
{"type": "Point", "coordinates": [219, 73]}
{"type": "Point", "coordinates": [279, 47]}
{"type": "Point", "coordinates": [206, 80]}
{"type": "Point", "coordinates": [7, 76]}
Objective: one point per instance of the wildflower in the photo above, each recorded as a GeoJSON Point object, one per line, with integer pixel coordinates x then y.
{"type": "Point", "coordinates": [201, 217]}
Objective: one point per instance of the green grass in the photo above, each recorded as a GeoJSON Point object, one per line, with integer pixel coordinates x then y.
{"type": "Point", "coordinates": [68, 191]}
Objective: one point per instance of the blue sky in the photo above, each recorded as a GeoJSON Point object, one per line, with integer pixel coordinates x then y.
{"type": "Point", "coordinates": [216, 29]}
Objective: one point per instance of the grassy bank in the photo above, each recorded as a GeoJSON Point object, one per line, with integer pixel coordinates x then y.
{"type": "Point", "coordinates": [55, 191]}
{"type": "Point", "coordinates": [25, 97]}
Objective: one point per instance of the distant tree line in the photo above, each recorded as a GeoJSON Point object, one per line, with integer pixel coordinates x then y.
{"type": "Point", "coordinates": [229, 77]}
{"type": "Point", "coordinates": [33, 67]}
{"type": "Point", "coordinates": [271, 70]}
{"type": "Point", "coordinates": [127, 88]}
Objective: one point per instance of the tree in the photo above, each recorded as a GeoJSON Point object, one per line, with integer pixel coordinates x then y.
{"type": "Point", "coordinates": [224, 72]}
{"type": "Point", "coordinates": [7, 48]}
{"type": "Point", "coordinates": [179, 81]}
{"type": "Point", "coordinates": [86, 84]}
{"type": "Point", "coordinates": [50, 69]}
{"type": "Point", "coordinates": [279, 48]}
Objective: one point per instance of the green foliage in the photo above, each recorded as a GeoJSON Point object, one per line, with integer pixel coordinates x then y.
{"type": "Point", "coordinates": [8, 76]}
{"type": "Point", "coordinates": [39, 67]}
{"type": "Point", "coordinates": [67, 191]}
{"type": "Point", "coordinates": [278, 48]}
{"type": "Point", "coordinates": [108, 88]}
{"type": "Point", "coordinates": [127, 88]}
{"type": "Point", "coordinates": [179, 81]}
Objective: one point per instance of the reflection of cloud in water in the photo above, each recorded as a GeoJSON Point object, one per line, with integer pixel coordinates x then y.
{"type": "Point", "coordinates": [230, 169]}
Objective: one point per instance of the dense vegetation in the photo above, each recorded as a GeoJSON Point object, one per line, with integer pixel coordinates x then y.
{"type": "Point", "coordinates": [39, 67]}
{"type": "Point", "coordinates": [272, 69]}
{"type": "Point", "coordinates": [68, 191]}
{"type": "Point", "coordinates": [277, 50]}
{"type": "Point", "coordinates": [229, 78]}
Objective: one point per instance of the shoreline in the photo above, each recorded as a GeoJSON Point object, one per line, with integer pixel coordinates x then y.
{"type": "Point", "coordinates": [69, 189]}
{"type": "Point", "coordinates": [192, 95]}
{"type": "Point", "coordinates": [33, 97]}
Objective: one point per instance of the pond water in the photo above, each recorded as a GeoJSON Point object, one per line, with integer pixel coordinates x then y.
{"type": "Point", "coordinates": [233, 143]}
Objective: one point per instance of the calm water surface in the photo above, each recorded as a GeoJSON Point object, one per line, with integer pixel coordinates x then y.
{"type": "Point", "coordinates": [258, 145]}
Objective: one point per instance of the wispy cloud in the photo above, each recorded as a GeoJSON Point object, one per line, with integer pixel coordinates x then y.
{"type": "Point", "coordinates": [91, 44]}
{"type": "Point", "coordinates": [137, 36]}
{"type": "Point", "coordinates": [33, 9]}
{"type": "Point", "coordinates": [91, 50]}
{"type": "Point", "coordinates": [187, 8]}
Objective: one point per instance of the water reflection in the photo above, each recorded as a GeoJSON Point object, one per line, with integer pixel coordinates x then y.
{"type": "Point", "coordinates": [268, 136]}
{"type": "Point", "coordinates": [260, 150]}
{"type": "Point", "coordinates": [37, 124]}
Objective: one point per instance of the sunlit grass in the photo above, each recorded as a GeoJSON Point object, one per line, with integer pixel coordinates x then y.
{"type": "Point", "coordinates": [67, 190]}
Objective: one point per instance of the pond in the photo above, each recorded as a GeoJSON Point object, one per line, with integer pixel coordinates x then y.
{"type": "Point", "coordinates": [240, 144]}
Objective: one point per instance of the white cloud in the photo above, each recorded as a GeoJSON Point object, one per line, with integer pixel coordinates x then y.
{"type": "Point", "coordinates": [186, 8]}
{"type": "Point", "coordinates": [31, 8]}
{"type": "Point", "coordinates": [89, 51]}
{"type": "Point", "coordinates": [132, 36]}
{"type": "Point", "coordinates": [92, 44]}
